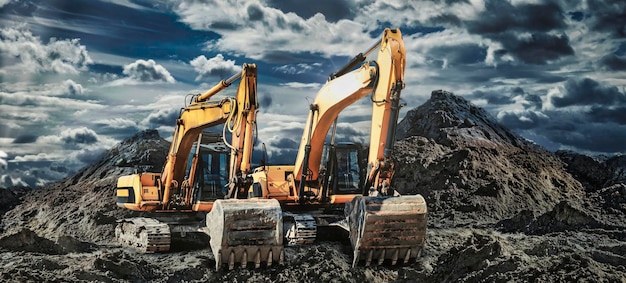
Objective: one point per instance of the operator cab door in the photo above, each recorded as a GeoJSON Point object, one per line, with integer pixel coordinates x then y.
{"type": "Point", "coordinates": [347, 171]}
{"type": "Point", "coordinates": [212, 171]}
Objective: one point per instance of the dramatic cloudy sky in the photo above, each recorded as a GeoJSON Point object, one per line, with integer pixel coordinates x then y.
{"type": "Point", "coordinates": [77, 77]}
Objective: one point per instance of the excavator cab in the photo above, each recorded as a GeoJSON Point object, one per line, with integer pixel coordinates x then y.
{"type": "Point", "coordinates": [346, 166]}
{"type": "Point", "coordinates": [211, 168]}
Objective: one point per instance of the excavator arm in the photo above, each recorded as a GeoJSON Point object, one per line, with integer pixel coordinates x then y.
{"type": "Point", "coordinates": [172, 189]}
{"type": "Point", "coordinates": [384, 80]}
{"type": "Point", "coordinates": [238, 116]}
{"type": "Point", "coordinates": [381, 226]}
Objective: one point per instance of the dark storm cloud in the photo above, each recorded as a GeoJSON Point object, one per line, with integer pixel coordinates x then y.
{"type": "Point", "coordinates": [501, 16]}
{"type": "Point", "coordinates": [486, 74]}
{"type": "Point", "coordinates": [333, 10]}
{"type": "Point", "coordinates": [162, 117]}
{"type": "Point", "coordinates": [79, 136]}
{"type": "Point", "coordinates": [540, 48]}
{"type": "Point", "coordinates": [534, 101]}
{"type": "Point", "coordinates": [503, 22]}
{"type": "Point", "coordinates": [460, 54]}
{"type": "Point", "coordinates": [282, 151]}
{"type": "Point", "coordinates": [25, 139]}
{"type": "Point", "coordinates": [614, 114]}
{"type": "Point", "coordinates": [89, 156]}
{"type": "Point", "coordinates": [117, 132]}
{"type": "Point", "coordinates": [609, 16]}
{"type": "Point", "coordinates": [492, 97]}
{"type": "Point", "coordinates": [446, 19]}
{"type": "Point", "coordinates": [522, 119]}
{"type": "Point", "coordinates": [255, 13]}
{"type": "Point", "coordinates": [613, 62]}
{"type": "Point", "coordinates": [588, 92]}
{"type": "Point", "coordinates": [595, 137]}
{"type": "Point", "coordinates": [265, 101]}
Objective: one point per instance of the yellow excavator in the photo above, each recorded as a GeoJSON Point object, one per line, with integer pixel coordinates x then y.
{"type": "Point", "coordinates": [329, 185]}
{"type": "Point", "coordinates": [201, 167]}
{"type": "Point", "coordinates": [327, 181]}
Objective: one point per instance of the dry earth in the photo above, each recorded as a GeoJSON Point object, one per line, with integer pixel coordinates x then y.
{"type": "Point", "coordinates": [500, 209]}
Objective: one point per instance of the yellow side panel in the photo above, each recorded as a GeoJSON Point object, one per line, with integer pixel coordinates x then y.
{"type": "Point", "coordinates": [127, 181]}
{"type": "Point", "coordinates": [122, 193]}
{"type": "Point", "coordinates": [278, 185]}
{"type": "Point", "coordinates": [149, 193]}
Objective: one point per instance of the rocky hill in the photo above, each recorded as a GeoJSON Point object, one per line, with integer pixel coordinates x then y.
{"type": "Point", "coordinates": [500, 209]}
{"type": "Point", "coordinates": [83, 206]}
{"type": "Point", "coordinates": [472, 169]}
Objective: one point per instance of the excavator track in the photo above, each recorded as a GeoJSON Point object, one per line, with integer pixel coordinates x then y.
{"type": "Point", "coordinates": [145, 235]}
{"type": "Point", "coordinates": [300, 229]}
{"type": "Point", "coordinates": [386, 228]}
{"type": "Point", "coordinates": [246, 231]}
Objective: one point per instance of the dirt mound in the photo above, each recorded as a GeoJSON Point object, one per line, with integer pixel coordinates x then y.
{"type": "Point", "coordinates": [10, 197]}
{"type": "Point", "coordinates": [83, 206]}
{"type": "Point", "coordinates": [500, 209]}
{"type": "Point", "coordinates": [27, 240]}
{"type": "Point", "coordinates": [477, 255]}
{"type": "Point", "coordinates": [470, 169]}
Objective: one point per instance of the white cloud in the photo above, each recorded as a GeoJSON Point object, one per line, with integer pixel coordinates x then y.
{"type": "Point", "coordinates": [30, 55]}
{"type": "Point", "coordinates": [147, 71]}
{"type": "Point", "coordinates": [117, 123]}
{"type": "Point", "coordinates": [141, 72]}
{"type": "Point", "coordinates": [215, 66]}
{"type": "Point", "coordinates": [296, 69]}
{"type": "Point", "coordinates": [72, 136]}
{"type": "Point", "coordinates": [42, 156]}
{"type": "Point", "coordinates": [3, 161]}
{"type": "Point", "coordinates": [4, 2]}
{"type": "Point", "coordinates": [300, 85]}
{"type": "Point", "coordinates": [257, 30]}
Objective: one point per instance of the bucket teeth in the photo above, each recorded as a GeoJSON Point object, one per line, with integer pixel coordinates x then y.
{"type": "Point", "coordinates": [244, 260]}
{"type": "Point", "coordinates": [383, 228]}
{"type": "Point", "coordinates": [257, 259]}
{"type": "Point", "coordinates": [394, 258]}
{"type": "Point", "coordinates": [407, 256]}
{"type": "Point", "coordinates": [381, 258]}
{"type": "Point", "coordinates": [247, 230]}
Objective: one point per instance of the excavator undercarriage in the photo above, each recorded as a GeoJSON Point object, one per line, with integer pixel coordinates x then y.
{"type": "Point", "coordinates": [145, 235]}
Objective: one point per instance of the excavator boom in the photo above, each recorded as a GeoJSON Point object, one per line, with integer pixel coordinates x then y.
{"type": "Point", "coordinates": [181, 187]}
{"type": "Point", "coordinates": [382, 225]}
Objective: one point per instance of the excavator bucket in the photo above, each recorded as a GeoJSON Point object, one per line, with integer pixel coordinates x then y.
{"type": "Point", "coordinates": [386, 228]}
{"type": "Point", "coordinates": [145, 235]}
{"type": "Point", "coordinates": [246, 231]}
